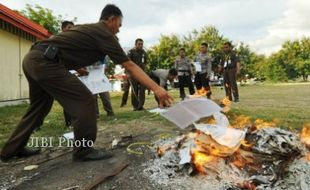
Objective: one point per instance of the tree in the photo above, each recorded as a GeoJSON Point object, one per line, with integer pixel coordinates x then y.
{"type": "Point", "coordinates": [163, 55]}
{"type": "Point", "coordinates": [273, 70]}
{"type": "Point", "coordinates": [43, 17]}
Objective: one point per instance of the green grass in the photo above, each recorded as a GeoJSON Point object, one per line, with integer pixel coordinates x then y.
{"type": "Point", "coordinates": [287, 104]}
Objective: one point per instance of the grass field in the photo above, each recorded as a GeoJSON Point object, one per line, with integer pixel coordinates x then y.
{"type": "Point", "coordinates": [286, 105]}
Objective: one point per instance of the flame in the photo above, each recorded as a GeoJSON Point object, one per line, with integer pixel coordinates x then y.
{"type": "Point", "coordinates": [246, 144]}
{"type": "Point", "coordinates": [240, 159]}
{"type": "Point", "coordinates": [201, 92]}
{"type": "Point", "coordinates": [226, 101]}
{"type": "Point", "coordinates": [241, 122]}
{"type": "Point", "coordinates": [200, 160]}
{"type": "Point", "coordinates": [305, 134]}
{"type": "Point", "coordinates": [260, 124]}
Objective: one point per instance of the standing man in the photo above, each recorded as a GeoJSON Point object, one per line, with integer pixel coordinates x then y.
{"type": "Point", "coordinates": [183, 66]}
{"type": "Point", "coordinates": [47, 66]}
{"type": "Point", "coordinates": [202, 77]}
{"type": "Point", "coordinates": [230, 66]}
{"type": "Point", "coordinates": [139, 57]}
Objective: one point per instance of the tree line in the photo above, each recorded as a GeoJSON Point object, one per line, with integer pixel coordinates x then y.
{"type": "Point", "coordinates": [292, 61]}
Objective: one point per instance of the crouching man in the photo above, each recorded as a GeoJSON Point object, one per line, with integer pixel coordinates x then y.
{"type": "Point", "coordinates": [161, 77]}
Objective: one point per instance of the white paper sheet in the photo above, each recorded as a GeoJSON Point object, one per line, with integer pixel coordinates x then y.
{"type": "Point", "coordinates": [188, 111]}
{"type": "Point", "coordinates": [157, 110]}
{"type": "Point", "coordinates": [226, 136]}
{"type": "Point", "coordinates": [197, 66]}
{"type": "Point", "coordinates": [185, 152]}
{"type": "Point", "coordinates": [69, 136]}
{"type": "Point", "coordinates": [96, 81]}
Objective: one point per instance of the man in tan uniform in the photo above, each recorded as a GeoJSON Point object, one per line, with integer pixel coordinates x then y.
{"type": "Point", "coordinates": [47, 66]}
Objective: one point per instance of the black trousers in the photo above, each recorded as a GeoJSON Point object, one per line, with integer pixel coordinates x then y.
{"type": "Point", "coordinates": [106, 102]}
{"type": "Point", "coordinates": [185, 81]}
{"type": "Point", "coordinates": [49, 80]}
{"type": "Point", "coordinates": [230, 83]}
{"type": "Point", "coordinates": [137, 95]}
{"type": "Point", "coordinates": [126, 86]}
{"type": "Point", "coordinates": [201, 80]}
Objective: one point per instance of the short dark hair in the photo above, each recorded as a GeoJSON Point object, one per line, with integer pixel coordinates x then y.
{"type": "Point", "coordinates": [173, 72]}
{"type": "Point", "coordinates": [65, 23]}
{"type": "Point", "coordinates": [110, 10]}
{"type": "Point", "coordinates": [227, 43]}
{"type": "Point", "coordinates": [182, 49]}
{"type": "Point", "coordinates": [138, 40]}
{"type": "Point", "coordinates": [204, 44]}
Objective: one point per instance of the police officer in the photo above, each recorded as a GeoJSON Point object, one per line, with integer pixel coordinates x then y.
{"type": "Point", "coordinates": [47, 66]}
{"type": "Point", "coordinates": [230, 66]}
{"type": "Point", "coordinates": [202, 77]}
{"type": "Point", "coordinates": [183, 66]}
{"type": "Point", "coordinates": [138, 56]}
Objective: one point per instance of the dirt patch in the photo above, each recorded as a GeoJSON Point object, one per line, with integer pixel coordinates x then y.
{"type": "Point", "coordinates": [57, 170]}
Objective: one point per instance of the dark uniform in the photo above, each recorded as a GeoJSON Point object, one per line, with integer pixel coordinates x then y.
{"type": "Point", "coordinates": [184, 69]}
{"type": "Point", "coordinates": [49, 79]}
{"type": "Point", "coordinates": [139, 57]}
{"type": "Point", "coordinates": [229, 64]}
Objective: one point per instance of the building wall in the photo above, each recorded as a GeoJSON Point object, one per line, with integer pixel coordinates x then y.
{"type": "Point", "coordinates": [13, 84]}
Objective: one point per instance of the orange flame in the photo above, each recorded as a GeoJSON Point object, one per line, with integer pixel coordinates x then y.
{"type": "Point", "coordinates": [246, 144]}
{"type": "Point", "coordinates": [226, 101]}
{"type": "Point", "coordinates": [200, 160]}
{"type": "Point", "coordinates": [241, 122]}
{"type": "Point", "coordinates": [260, 124]}
{"type": "Point", "coordinates": [305, 134]}
{"type": "Point", "coordinates": [240, 160]}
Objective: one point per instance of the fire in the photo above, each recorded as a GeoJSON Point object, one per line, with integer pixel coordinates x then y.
{"type": "Point", "coordinates": [246, 144]}
{"type": "Point", "coordinates": [241, 159]}
{"type": "Point", "coordinates": [226, 101]}
{"type": "Point", "coordinates": [305, 134]}
{"type": "Point", "coordinates": [241, 122]}
{"type": "Point", "coordinates": [200, 161]}
{"type": "Point", "coordinates": [201, 92]}
{"type": "Point", "coordinates": [260, 124]}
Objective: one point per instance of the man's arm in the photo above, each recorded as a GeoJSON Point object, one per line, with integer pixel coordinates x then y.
{"type": "Point", "coordinates": [139, 75]}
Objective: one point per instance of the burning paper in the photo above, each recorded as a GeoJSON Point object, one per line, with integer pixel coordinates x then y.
{"type": "Point", "coordinates": [223, 135]}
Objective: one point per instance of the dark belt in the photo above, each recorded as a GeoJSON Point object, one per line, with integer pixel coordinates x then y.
{"type": "Point", "coordinates": [40, 47]}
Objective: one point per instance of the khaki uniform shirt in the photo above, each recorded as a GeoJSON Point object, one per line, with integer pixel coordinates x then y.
{"type": "Point", "coordinates": [83, 45]}
{"type": "Point", "coordinates": [183, 66]}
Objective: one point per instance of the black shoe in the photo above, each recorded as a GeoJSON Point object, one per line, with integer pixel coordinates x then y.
{"type": "Point", "coordinates": [25, 152]}
{"type": "Point", "coordinates": [92, 155]}
{"type": "Point", "coordinates": [236, 100]}
{"type": "Point", "coordinates": [141, 109]}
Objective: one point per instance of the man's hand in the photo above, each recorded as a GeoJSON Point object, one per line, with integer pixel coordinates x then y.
{"type": "Point", "coordinates": [82, 72]}
{"type": "Point", "coordinates": [164, 98]}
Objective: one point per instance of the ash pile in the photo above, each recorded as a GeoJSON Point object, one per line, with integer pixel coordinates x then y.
{"type": "Point", "coordinates": [217, 156]}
